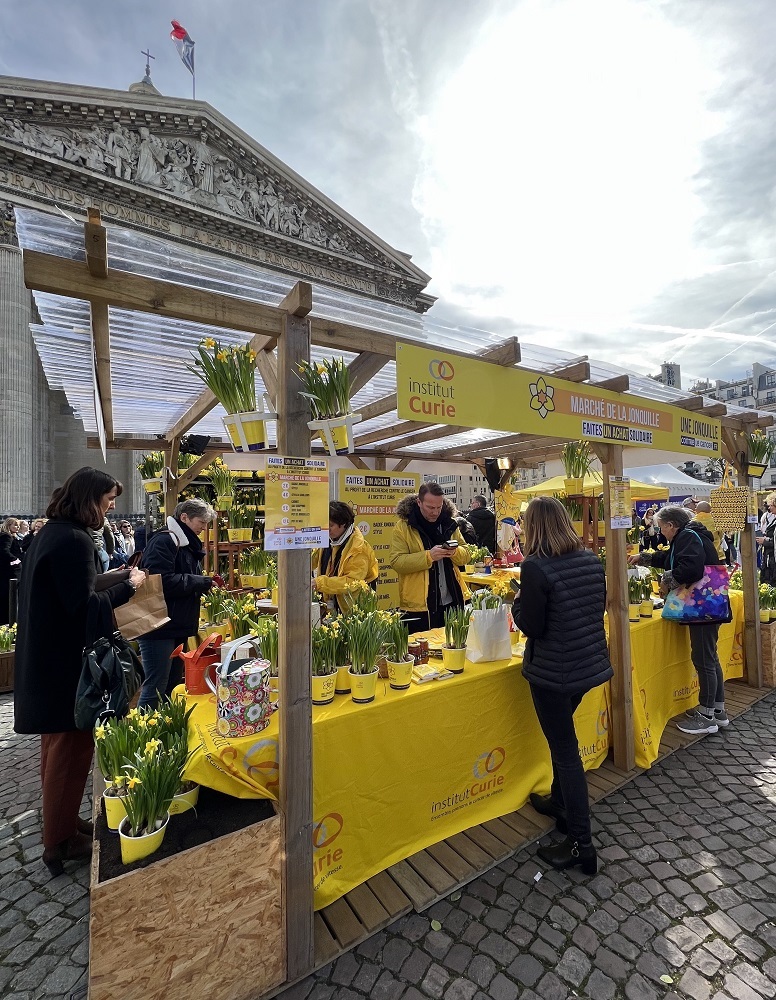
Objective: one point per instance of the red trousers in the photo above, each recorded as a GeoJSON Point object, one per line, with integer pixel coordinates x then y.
{"type": "Point", "coordinates": [65, 762]}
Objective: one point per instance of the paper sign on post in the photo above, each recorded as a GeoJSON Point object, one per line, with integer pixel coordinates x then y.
{"type": "Point", "coordinates": [297, 503]}
{"type": "Point", "coordinates": [751, 508]}
{"type": "Point", "coordinates": [620, 502]}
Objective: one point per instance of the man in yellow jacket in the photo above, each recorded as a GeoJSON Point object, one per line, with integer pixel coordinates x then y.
{"type": "Point", "coordinates": [426, 551]}
{"type": "Point", "coordinates": [348, 559]}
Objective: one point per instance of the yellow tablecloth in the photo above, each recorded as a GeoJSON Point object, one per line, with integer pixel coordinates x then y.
{"type": "Point", "coordinates": [415, 767]}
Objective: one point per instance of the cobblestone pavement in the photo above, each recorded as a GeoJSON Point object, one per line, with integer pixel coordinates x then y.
{"type": "Point", "coordinates": [686, 891]}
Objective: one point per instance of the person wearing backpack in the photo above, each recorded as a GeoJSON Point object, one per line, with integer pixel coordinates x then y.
{"type": "Point", "coordinates": [176, 554]}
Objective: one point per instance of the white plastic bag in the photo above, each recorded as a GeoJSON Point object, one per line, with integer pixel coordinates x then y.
{"type": "Point", "coordinates": [488, 637]}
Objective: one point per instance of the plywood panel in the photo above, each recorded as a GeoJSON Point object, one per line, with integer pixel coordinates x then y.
{"type": "Point", "coordinates": [191, 924]}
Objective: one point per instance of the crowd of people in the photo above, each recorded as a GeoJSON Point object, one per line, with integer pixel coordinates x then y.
{"type": "Point", "coordinates": [565, 656]}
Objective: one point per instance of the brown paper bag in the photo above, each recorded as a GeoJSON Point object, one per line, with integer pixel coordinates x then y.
{"type": "Point", "coordinates": [145, 611]}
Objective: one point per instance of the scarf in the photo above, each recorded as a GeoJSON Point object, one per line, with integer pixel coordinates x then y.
{"type": "Point", "coordinates": [442, 581]}
{"type": "Point", "coordinates": [326, 555]}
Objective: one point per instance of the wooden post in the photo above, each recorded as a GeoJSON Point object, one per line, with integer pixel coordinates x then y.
{"type": "Point", "coordinates": [617, 610]}
{"type": "Point", "coordinates": [380, 464]}
{"type": "Point", "coordinates": [295, 695]}
{"type": "Point", "coordinates": [734, 444]}
{"type": "Point", "coordinates": [171, 487]}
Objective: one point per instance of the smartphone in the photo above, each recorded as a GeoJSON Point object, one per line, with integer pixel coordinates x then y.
{"type": "Point", "coordinates": [452, 544]}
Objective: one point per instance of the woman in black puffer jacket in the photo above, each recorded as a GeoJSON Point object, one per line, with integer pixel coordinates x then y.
{"type": "Point", "coordinates": [561, 610]}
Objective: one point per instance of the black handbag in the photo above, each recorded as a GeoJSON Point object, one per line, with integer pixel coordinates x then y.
{"type": "Point", "coordinates": [111, 675]}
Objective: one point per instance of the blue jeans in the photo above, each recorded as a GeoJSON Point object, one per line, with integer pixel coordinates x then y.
{"type": "Point", "coordinates": [161, 672]}
{"type": "Point", "coordinates": [569, 785]}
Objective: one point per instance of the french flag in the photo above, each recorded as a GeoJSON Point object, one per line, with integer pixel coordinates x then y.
{"type": "Point", "coordinates": [184, 44]}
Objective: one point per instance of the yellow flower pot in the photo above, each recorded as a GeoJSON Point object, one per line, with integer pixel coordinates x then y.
{"type": "Point", "coordinates": [137, 848]}
{"type": "Point", "coordinates": [246, 430]}
{"type": "Point", "coordinates": [184, 801]}
{"type": "Point", "coordinates": [234, 534]}
{"type": "Point", "coordinates": [765, 615]}
{"type": "Point", "coordinates": [323, 688]}
{"type": "Point", "coordinates": [400, 673]}
{"type": "Point", "coordinates": [114, 811]}
{"type": "Point", "coordinates": [773, 614]}
{"type": "Point", "coordinates": [363, 687]}
{"type": "Point", "coordinates": [469, 568]}
{"type": "Point", "coordinates": [453, 659]}
{"type": "Point", "coordinates": [260, 581]}
{"type": "Point", "coordinates": [152, 485]}
{"type": "Point", "coordinates": [646, 609]}
{"type": "Point", "coordinates": [634, 612]}
{"type": "Point", "coordinates": [342, 680]}
{"type": "Point", "coordinates": [574, 486]}
{"type": "Point", "coordinates": [655, 586]}
{"type": "Point", "coordinates": [274, 598]}
{"type": "Point", "coordinates": [247, 534]}
{"type": "Point", "coordinates": [224, 503]}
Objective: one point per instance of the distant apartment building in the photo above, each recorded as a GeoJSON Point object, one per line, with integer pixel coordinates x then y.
{"type": "Point", "coordinates": [461, 490]}
{"type": "Point", "coordinates": [757, 389]}
{"type": "Point", "coordinates": [670, 374]}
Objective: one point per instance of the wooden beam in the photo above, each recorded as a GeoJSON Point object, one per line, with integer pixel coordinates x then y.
{"type": "Point", "coordinates": [497, 446]}
{"type": "Point", "coordinates": [267, 363]}
{"type": "Point", "coordinates": [618, 383]}
{"type": "Point", "coordinates": [621, 721]}
{"type": "Point", "coordinates": [59, 276]}
{"type": "Point", "coordinates": [507, 353]}
{"type": "Point", "coordinates": [380, 463]}
{"type": "Point", "coordinates": [693, 402]}
{"type": "Point", "coordinates": [295, 695]}
{"type": "Point", "coordinates": [401, 465]}
{"type": "Point", "coordinates": [96, 243]}
{"type": "Point", "coordinates": [299, 301]}
{"type": "Point", "coordinates": [187, 478]}
{"type": "Point", "coordinates": [577, 372]}
{"type": "Point", "coordinates": [355, 339]}
{"type": "Point", "coordinates": [364, 368]}
{"type": "Point", "coordinates": [717, 410]}
{"type": "Point", "coordinates": [734, 447]}
{"type": "Point", "coordinates": [101, 342]}
{"type": "Point", "coordinates": [151, 444]}
{"type": "Point", "coordinates": [433, 434]}
{"type": "Point", "coordinates": [383, 433]}
{"type": "Point", "coordinates": [359, 463]}
{"type": "Point", "coordinates": [379, 407]}
{"type": "Point", "coordinates": [206, 401]}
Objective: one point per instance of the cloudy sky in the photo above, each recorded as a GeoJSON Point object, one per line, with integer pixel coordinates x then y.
{"type": "Point", "coordinates": [597, 175]}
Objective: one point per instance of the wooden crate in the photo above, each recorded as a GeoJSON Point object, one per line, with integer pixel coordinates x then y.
{"type": "Point", "coordinates": [207, 922]}
{"type": "Point", "coordinates": [768, 639]}
{"type": "Point", "coordinates": [6, 671]}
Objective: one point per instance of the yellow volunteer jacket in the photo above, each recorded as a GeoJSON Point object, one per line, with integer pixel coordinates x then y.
{"type": "Point", "coordinates": [412, 564]}
{"type": "Point", "coordinates": [357, 562]}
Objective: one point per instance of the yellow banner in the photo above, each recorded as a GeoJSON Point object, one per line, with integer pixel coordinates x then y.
{"type": "Point", "coordinates": [373, 496]}
{"type": "Point", "coordinates": [665, 683]}
{"type": "Point", "coordinates": [508, 503]}
{"type": "Point", "coordinates": [439, 388]}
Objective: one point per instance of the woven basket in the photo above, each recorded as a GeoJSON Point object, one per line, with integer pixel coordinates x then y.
{"type": "Point", "coordinates": [729, 505]}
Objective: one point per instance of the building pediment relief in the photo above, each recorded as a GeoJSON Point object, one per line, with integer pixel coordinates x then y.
{"type": "Point", "coordinates": [204, 170]}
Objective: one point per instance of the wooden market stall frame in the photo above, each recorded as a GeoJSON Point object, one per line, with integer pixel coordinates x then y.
{"type": "Point", "coordinates": [289, 328]}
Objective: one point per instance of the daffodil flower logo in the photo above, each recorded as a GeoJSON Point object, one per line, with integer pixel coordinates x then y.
{"type": "Point", "coordinates": [541, 397]}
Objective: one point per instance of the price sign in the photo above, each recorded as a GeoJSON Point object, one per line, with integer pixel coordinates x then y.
{"type": "Point", "coordinates": [297, 503]}
{"type": "Point", "coordinates": [620, 502]}
{"type": "Point", "coordinates": [751, 508]}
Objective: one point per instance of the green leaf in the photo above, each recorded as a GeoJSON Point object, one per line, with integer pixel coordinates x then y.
{"type": "Point", "coordinates": [435, 925]}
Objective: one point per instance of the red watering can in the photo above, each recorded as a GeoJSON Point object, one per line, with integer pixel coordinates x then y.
{"type": "Point", "coordinates": [197, 663]}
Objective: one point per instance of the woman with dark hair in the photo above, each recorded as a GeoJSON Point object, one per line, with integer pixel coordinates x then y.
{"type": "Point", "coordinates": [691, 548]}
{"type": "Point", "coordinates": [57, 601]}
{"type": "Point", "coordinates": [560, 608]}
{"type": "Point", "coordinates": [176, 553]}
{"type": "Point", "coordinates": [10, 564]}
{"type": "Point", "coordinates": [348, 559]}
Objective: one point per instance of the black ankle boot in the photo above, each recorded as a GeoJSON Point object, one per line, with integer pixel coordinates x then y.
{"type": "Point", "coordinates": [545, 805]}
{"type": "Point", "coordinates": [570, 854]}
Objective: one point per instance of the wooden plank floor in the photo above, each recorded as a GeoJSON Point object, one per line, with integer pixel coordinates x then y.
{"type": "Point", "coordinates": [443, 868]}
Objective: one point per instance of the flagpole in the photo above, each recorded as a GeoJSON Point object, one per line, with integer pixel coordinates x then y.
{"type": "Point", "coordinates": [193, 86]}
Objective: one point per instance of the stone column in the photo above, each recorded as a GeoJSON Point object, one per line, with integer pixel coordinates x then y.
{"type": "Point", "coordinates": [16, 376]}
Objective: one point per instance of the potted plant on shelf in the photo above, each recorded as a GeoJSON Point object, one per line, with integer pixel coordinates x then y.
{"type": "Point", "coordinates": [253, 568]}
{"type": "Point", "coordinates": [241, 522]}
{"type": "Point", "coordinates": [577, 459]}
{"type": "Point", "coordinates": [456, 633]}
{"type": "Point", "coordinates": [152, 781]}
{"type": "Point", "coordinates": [324, 667]}
{"type": "Point", "coordinates": [151, 467]}
{"type": "Point", "coordinates": [635, 591]}
{"type": "Point", "coordinates": [222, 480]}
{"type": "Point", "coordinates": [327, 386]}
{"type": "Point", "coordinates": [215, 604]}
{"type": "Point", "coordinates": [399, 662]}
{"type": "Point", "coordinates": [230, 374]}
{"type": "Point", "coordinates": [632, 536]}
{"type": "Point", "coordinates": [760, 449]}
{"type": "Point", "coordinates": [365, 640]}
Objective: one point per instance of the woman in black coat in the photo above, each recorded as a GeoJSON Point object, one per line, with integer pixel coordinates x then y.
{"type": "Point", "coordinates": [560, 608]}
{"type": "Point", "coordinates": [10, 564]}
{"type": "Point", "coordinates": [177, 555]}
{"type": "Point", "coordinates": [56, 590]}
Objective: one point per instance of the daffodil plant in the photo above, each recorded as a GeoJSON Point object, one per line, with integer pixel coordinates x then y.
{"type": "Point", "coordinates": [327, 386]}
{"type": "Point", "coordinates": [221, 478]}
{"type": "Point", "coordinates": [366, 635]}
{"type": "Point", "coordinates": [229, 373]}
{"type": "Point", "coordinates": [325, 649]}
{"type": "Point", "coordinates": [7, 637]}
{"type": "Point", "coordinates": [151, 465]}
{"type": "Point", "coordinates": [267, 641]}
{"type": "Point", "coordinates": [153, 780]}
{"type": "Point", "coordinates": [396, 639]}
{"type": "Point", "coordinates": [457, 627]}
